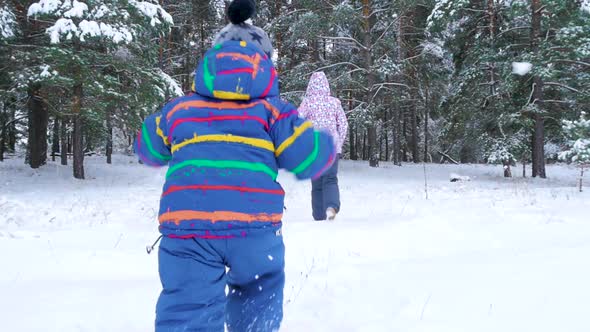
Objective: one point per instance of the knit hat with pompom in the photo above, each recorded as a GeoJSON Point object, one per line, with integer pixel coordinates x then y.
{"type": "Point", "coordinates": [238, 12]}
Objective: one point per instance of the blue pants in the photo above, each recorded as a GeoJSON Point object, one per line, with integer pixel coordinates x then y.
{"type": "Point", "coordinates": [325, 192]}
{"type": "Point", "coordinates": [194, 279]}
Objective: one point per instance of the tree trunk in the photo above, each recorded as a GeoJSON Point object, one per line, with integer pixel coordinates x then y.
{"type": "Point", "coordinates": [404, 132]}
{"type": "Point", "coordinates": [539, 148]}
{"type": "Point", "coordinates": [55, 138]}
{"type": "Point", "coordinates": [38, 121]}
{"type": "Point", "coordinates": [70, 141]}
{"type": "Point", "coordinates": [397, 138]}
{"type": "Point", "coordinates": [492, 21]}
{"type": "Point", "coordinates": [372, 130]}
{"type": "Point", "coordinates": [581, 177]}
{"type": "Point", "coordinates": [352, 141]}
{"type": "Point", "coordinates": [2, 135]}
{"type": "Point", "coordinates": [426, 115]}
{"type": "Point", "coordinates": [414, 128]}
{"type": "Point", "coordinates": [78, 133]}
{"type": "Point", "coordinates": [278, 36]}
{"type": "Point", "coordinates": [360, 132]}
{"type": "Point", "coordinates": [407, 39]}
{"type": "Point", "coordinates": [351, 132]}
{"type": "Point", "coordinates": [12, 132]}
{"type": "Point", "coordinates": [3, 130]}
{"type": "Point", "coordinates": [314, 50]}
{"type": "Point", "coordinates": [365, 154]}
{"type": "Point", "coordinates": [385, 132]}
{"type": "Point", "coordinates": [381, 143]}
{"type": "Point", "coordinates": [88, 147]}
{"type": "Point", "coordinates": [539, 129]}
{"type": "Point", "coordinates": [109, 147]}
{"type": "Point", "coordinates": [64, 141]}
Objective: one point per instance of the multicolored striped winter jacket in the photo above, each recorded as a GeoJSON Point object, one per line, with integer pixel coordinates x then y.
{"type": "Point", "coordinates": [224, 145]}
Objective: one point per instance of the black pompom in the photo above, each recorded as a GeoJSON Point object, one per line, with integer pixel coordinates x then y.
{"type": "Point", "coordinates": [241, 10]}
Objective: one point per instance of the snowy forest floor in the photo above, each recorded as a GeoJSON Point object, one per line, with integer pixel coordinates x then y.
{"type": "Point", "coordinates": [492, 254]}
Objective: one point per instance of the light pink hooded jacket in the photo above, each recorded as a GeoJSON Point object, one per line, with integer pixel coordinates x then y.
{"type": "Point", "coordinates": [323, 110]}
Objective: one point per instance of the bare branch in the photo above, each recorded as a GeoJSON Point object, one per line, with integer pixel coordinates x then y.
{"type": "Point", "coordinates": [346, 38]}
{"type": "Point", "coordinates": [384, 33]}
{"type": "Point", "coordinates": [540, 9]}
{"type": "Point", "coordinates": [474, 10]}
{"type": "Point", "coordinates": [447, 157]}
{"type": "Point", "coordinates": [564, 86]}
{"type": "Point", "coordinates": [557, 101]}
{"type": "Point", "coordinates": [391, 83]}
{"type": "Point", "coordinates": [518, 45]}
{"type": "Point", "coordinates": [339, 64]}
{"type": "Point", "coordinates": [349, 72]}
{"type": "Point", "coordinates": [512, 29]}
{"type": "Point", "coordinates": [377, 11]}
{"type": "Point", "coordinates": [581, 63]}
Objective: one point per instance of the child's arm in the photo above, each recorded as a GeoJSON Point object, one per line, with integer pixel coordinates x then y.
{"type": "Point", "coordinates": [151, 145]}
{"type": "Point", "coordinates": [303, 109]}
{"type": "Point", "coordinates": [299, 148]}
{"type": "Point", "coordinates": [341, 122]}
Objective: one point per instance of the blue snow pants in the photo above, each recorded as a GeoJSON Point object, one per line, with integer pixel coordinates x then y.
{"type": "Point", "coordinates": [325, 192]}
{"type": "Point", "coordinates": [194, 279]}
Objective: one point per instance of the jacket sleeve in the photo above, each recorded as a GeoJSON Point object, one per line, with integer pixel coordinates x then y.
{"type": "Point", "coordinates": [341, 122]}
{"type": "Point", "coordinates": [152, 145]}
{"type": "Point", "coordinates": [299, 148]}
{"type": "Point", "coordinates": [303, 109]}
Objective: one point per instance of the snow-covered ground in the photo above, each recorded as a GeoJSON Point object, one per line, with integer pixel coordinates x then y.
{"type": "Point", "coordinates": [491, 254]}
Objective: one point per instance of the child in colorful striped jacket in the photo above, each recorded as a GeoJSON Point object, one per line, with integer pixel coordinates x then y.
{"type": "Point", "coordinates": [221, 205]}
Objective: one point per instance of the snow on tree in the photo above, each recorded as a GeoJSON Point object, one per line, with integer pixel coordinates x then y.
{"type": "Point", "coordinates": [506, 149]}
{"type": "Point", "coordinates": [7, 23]}
{"type": "Point", "coordinates": [512, 59]}
{"type": "Point", "coordinates": [578, 135]}
{"type": "Point", "coordinates": [111, 20]}
{"type": "Point", "coordinates": [104, 50]}
{"type": "Point", "coordinates": [521, 68]}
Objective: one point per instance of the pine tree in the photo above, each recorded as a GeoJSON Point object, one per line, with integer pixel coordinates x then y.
{"type": "Point", "coordinates": [486, 90]}
{"type": "Point", "coordinates": [577, 133]}
{"type": "Point", "coordinates": [8, 26]}
{"type": "Point", "coordinates": [95, 48]}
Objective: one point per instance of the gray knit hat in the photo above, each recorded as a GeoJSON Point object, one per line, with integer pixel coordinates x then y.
{"type": "Point", "coordinates": [238, 12]}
